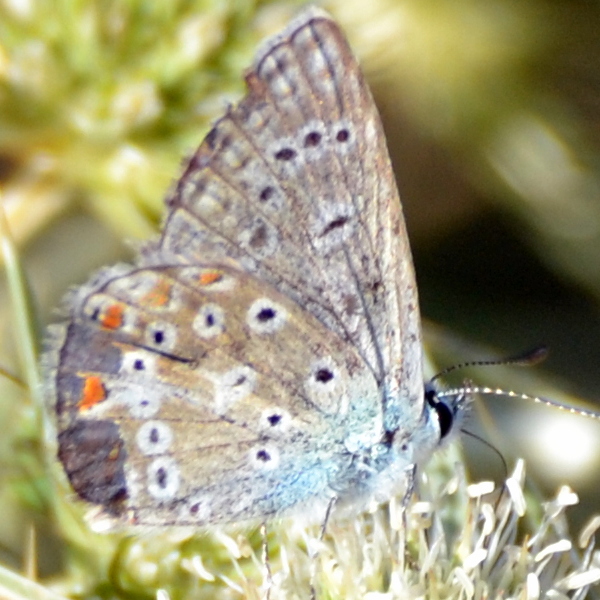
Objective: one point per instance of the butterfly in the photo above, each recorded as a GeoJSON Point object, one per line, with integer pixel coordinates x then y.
{"type": "Point", "coordinates": [263, 355]}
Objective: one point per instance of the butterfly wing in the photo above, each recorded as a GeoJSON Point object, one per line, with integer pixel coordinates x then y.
{"type": "Point", "coordinates": [190, 394]}
{"type": "Point", "coordinates": [296, 185]}
{"type": "Point", "coordinates": [272, 332]}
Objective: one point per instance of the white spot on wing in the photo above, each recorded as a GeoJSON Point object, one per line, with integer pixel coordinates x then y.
{"type": "Point", "coordinates": [163, 478]}
{"type": "Point", "coordinates": [197, 509]}
{"type": "Point", "coordinates": [154, 437]}
{"type": "Point", "coordinates": [233, 386]}
{"type": "Point", "coordinates": [275, 419]}
{"type": "Point", "coordinates": [210, 321]}
{"type": "Point", "coordinates": [143, 402]}
{"type": "Point", "coordinates": [265, 458]}
{"type": "Point", "coordinates": [266, 316]}
{"type": "Point", "coordinates": [325, 386]}
{"type": "Point", "coordinates": [333, 225]}
{"type": "Point", "coordinates": [161, 335]}
{"type": "Point", "coordinates": [147, 288]}
{"type": "Point", "coordinates": [259, 238]}
{"type": "Point", "coordinates": [138, 364]}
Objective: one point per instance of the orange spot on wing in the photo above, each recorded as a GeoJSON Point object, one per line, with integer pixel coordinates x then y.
{"type": "Point", "coordinates": [113, 316]}
{"type": "Point", "coordinates": [159, 295]}
{"type": "Point", "coordinates": [93, 392]}
{"type": "Point", "coordinates": [208, 277]}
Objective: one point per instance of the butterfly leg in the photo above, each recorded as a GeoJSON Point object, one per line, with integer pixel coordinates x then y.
{"type": "Point", "coordinates": [411, 481]}
{"type": "Point", "coordinates": [314, 551]}
{"type": "Point", "coordinates": [267, 574]}
{"type": "Point", "coordinates": [326, 519]}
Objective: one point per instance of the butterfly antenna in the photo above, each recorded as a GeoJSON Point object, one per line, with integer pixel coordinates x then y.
{"type": "Point", "coordinates": [526, 359]}
{"type": "Point", "coordinates": [475, 389]}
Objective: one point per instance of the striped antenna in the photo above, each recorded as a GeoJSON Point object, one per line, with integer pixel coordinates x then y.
{"type": "Point", "coordinates": [470, 389]}
{"type": "Point", "coordinates": [527, 359]}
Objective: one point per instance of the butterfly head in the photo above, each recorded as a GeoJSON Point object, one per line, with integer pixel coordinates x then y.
{"type": "Point", "coordinates": [448, 411]}
{"type": "Point", "coordinates": [442, 419]}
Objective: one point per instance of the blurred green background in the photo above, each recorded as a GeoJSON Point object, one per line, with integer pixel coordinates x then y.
{"type": "Point", "coordinates": [491, 111]}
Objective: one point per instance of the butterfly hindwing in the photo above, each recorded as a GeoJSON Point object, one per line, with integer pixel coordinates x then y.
{"type": "Point", "coordinates": [245, 388]}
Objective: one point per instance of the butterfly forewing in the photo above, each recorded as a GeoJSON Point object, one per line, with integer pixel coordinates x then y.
{"type": "Point", "coordinates": [295, 184]}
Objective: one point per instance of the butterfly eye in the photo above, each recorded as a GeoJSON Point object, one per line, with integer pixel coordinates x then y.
{"type": "Point", "coordinates": [445, 417]}
{"type": "Point", "coordinates": [444, 413]}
